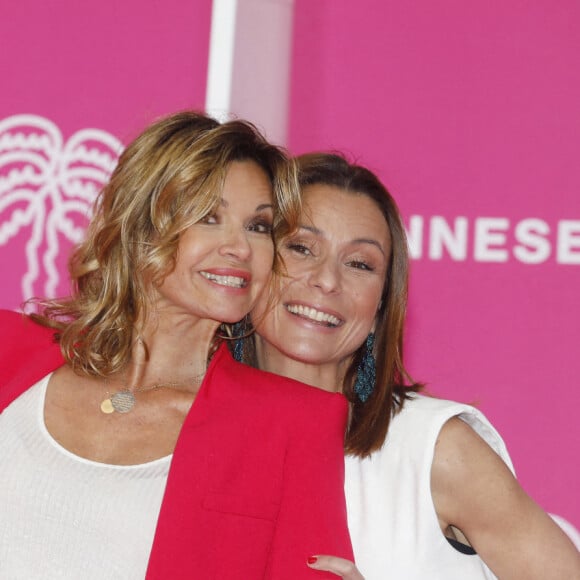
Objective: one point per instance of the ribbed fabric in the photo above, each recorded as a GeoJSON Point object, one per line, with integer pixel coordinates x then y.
{"type": "Point", "coordinates": [59, 513]}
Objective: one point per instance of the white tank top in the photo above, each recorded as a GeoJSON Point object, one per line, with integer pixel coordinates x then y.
{"type": "Point", "coordinates": [391, 516]}
{"type": "Point", "coordinates": [65, 517]}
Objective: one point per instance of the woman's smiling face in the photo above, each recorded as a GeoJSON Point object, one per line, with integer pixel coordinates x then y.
{"type": "Point", "coordinates": [336, 267]}
{"type": "Point", "coordinates": [225, 261]}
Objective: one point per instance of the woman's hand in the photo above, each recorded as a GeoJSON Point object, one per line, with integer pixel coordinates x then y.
{"type": "Point", "coordinates": [339, 566]}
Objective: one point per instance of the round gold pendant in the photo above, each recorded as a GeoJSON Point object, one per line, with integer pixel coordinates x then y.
{"type": "Point", "coordinates": [123, 401]}
{"type": "Point", "coordinates": [107, 407]}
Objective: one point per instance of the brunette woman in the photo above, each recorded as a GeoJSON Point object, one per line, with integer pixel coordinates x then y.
{"type": "Point", "coordinates": [430, 487]}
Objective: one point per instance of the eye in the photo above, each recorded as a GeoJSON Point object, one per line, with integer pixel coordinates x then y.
{"type": "Point", "coordinates": [360, 265]}
{"type": "Point", "coordinates": [260, 226]}
{"type": "Point", "coordinates": [298, 248]}
{"type": "Point", "coordinates": [210, 218]}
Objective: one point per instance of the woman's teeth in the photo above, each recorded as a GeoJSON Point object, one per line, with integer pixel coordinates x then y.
{"type": "Point", "coordinates": [313, 314]}
{"type": "Point", "coordinates": [233, 281]}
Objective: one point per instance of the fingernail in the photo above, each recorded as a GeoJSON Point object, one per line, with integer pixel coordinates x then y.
{"type": "Point", "coordinates": [312, 559]}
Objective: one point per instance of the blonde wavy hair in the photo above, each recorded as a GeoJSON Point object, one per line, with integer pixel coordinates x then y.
{"type": "Point", "coordinates": [170, 177]}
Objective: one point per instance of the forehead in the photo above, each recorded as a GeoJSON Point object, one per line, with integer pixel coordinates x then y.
{"type": "Point", "coordinates": [247, 172]}
{"type": "Point", "coordinates": [329, 207]}
{"type": "Point", "coordinates": [246, 183]}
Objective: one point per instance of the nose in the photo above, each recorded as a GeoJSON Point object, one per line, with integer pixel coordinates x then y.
{"type": "Point", "coordinates": [236, 244]}
{"type": "Point", "coordinates": [325, 275]}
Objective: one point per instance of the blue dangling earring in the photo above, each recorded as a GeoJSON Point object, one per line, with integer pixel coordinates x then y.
{"type": "Point", "coordinates": [367, 372]}
{"type": "Point", "coordinates": [239, 332]}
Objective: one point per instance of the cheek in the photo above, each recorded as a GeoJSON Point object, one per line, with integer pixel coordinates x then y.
{"type": "Point", "coordinates": [261, 286]}
{"type": "Point", "coordinates": [373, 302]}
{"type": "Point", "coordinates": [264, 321]}
{"type": "Point", "coordinates": [367, 299]}
{"type": "Point", "coordinates": [365, 306]}
{"type": "Point", "coordinates": [263, 261]}
{"type": "Point", "coordinates": [297, 268]}
{"type": "Point", "coordinates": [267, 312]}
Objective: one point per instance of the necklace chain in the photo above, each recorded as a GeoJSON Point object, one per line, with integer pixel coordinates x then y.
{"type": "Point", "coordinates": [123, 401]}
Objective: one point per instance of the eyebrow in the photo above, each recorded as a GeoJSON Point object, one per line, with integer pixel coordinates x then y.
{"type": "Point", "coordinates": [261, 207]}
{"type": "Point", "coordinates": [370, 241]}
{"type": "Point", "coordinates": [310, 229]}
{"type": "Point", "coordinates": [318, 232]}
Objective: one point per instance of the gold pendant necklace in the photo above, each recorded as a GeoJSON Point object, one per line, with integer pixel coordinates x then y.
{"type": "Point", "coordinates": [124, 400]}
{"type": "Point", "coordinates": [121, 402]}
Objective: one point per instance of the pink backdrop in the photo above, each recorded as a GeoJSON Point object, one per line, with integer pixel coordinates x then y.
{"type": "Point", "coordinates": [470, 110]}
{"type": "Point", "coordinates": [109, 66]}
{"type": "Point", "coordinates": [467, 110]}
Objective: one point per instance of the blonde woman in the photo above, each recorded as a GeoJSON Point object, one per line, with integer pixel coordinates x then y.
{"type": "Point", "coordinates": [133, 446]}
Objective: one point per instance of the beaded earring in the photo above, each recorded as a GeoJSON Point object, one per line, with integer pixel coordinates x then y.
{"type": "Point", "coordinates": [366, 372]}
{"type": "Point", "coordinates": [239, 331]}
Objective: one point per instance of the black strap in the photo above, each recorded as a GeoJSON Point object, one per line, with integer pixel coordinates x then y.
{"type": "Point", "coordinates": [463, 548]}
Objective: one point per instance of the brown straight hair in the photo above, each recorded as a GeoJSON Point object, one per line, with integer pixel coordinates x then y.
{"type": "Point", "coordinates": [369, 421]}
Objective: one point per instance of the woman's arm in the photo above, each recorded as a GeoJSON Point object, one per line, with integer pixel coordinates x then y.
{"type": "Point", "coordinates": [473, 490]}
{"type": "Point", "coordinates": [312, 515]}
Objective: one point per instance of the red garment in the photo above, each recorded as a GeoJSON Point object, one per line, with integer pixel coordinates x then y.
{"type": "Point", "coordinates": [256, 480]}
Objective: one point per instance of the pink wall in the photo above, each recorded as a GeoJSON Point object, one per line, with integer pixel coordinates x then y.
{"type": "Point", "coordinates": [112, 66]}
{"type": "Point", "coordinates": [106, 64]}
{"type": "Point", "coordinates": [470, 109]}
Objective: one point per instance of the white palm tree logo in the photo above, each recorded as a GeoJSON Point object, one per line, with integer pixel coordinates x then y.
{"type": "Point", "coordinates": [49, 186]}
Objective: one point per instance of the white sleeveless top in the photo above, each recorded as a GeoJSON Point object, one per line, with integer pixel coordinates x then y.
{"type": "Point", "coordinates": [391, 516]}
{"type": "Point", "coordinates": [65, 517]}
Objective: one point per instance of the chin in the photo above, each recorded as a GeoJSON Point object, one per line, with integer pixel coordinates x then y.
{"type": "Point", "coordinates": [232, 319]}
{"type": "Point", "coordinates": [307, 357]}
{"type": "Point", "coordinates": [231, 315]}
